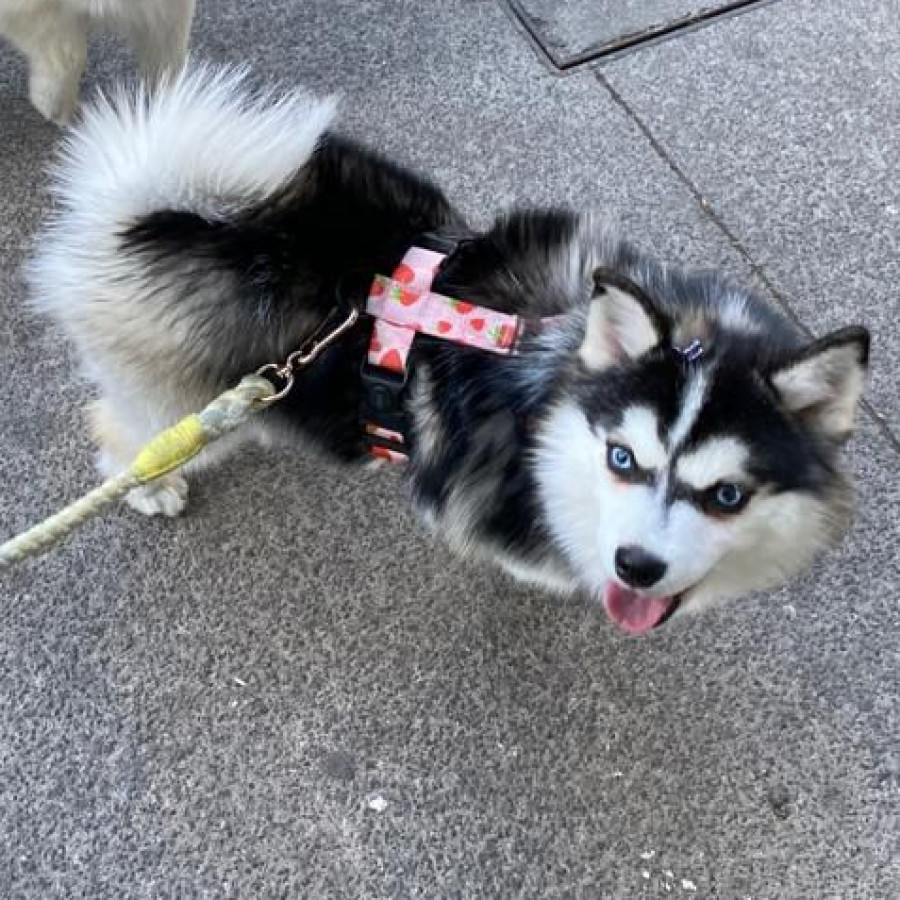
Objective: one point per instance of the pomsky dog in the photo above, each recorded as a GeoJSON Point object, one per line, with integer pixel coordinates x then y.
{"type": "Point", "coordinates": [53, 36]}
{"type": "Point", "coordinates": [660, 439]}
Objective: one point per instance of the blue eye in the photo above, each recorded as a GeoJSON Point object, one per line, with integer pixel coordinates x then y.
{"type": "Point", "coordinates": [728, 497]}
{"type": "Point", "coordinates": [619, 458]}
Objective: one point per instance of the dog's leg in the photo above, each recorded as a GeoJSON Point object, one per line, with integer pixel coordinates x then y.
{"type": "Point", "coordinates": [119, 442]}
{"type": "Point", "coordinates": [160, 37]}
{"type": "Point", "coordinates": [55, 41]}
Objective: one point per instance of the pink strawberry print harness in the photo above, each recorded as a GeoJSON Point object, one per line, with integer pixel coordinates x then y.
{"type": "Point", "coordinates": [403, 306]}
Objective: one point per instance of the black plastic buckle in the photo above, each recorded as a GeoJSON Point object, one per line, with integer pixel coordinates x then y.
{"type": "Point", "coordinates": [382, 404]}
{"type": "Point", "coordinates": [439, 243]}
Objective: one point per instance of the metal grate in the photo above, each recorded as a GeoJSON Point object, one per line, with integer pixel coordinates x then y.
{"type": "Point", "coordinates": [571, 33]}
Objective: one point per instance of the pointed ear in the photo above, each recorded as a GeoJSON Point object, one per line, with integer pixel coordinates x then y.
{"type": "Point", "coordinates": [823, 383]}
{"type": "Point", "coordinates": [622, 322]}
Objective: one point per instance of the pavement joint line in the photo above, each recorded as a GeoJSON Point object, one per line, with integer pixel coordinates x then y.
{"type": "Point", "coordinates": [736, 243]}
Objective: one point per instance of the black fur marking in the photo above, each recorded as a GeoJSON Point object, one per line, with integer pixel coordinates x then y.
{"type": "Point", "coordinates": [656, 381]}
{"type": "Point", "coordinates": [781, 455]}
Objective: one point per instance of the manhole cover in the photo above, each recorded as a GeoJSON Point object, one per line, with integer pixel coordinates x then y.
{"type": "Point", "coordinates": [572, 32]}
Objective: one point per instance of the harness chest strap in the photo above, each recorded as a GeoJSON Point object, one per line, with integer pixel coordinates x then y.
{"type": "Point", "coordinates": [403, 306]}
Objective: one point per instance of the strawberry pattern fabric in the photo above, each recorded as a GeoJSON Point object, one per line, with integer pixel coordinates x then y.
{"type": "Point", "coordinates": [404, 306]}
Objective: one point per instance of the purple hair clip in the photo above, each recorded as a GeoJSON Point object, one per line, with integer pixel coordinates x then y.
{"type": "Point", "coordinates": [691, 353]}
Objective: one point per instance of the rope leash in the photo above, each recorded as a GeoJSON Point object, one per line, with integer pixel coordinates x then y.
{"type": "Point", "coordinates": [177, 445]}
{"type": "Point", "coordinates": [168, 451]}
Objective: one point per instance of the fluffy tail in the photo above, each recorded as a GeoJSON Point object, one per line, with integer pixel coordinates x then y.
{"type": "Point", "coordinates": [205, 143]}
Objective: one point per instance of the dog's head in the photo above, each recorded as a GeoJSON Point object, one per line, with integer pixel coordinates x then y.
{"type": "Point", "coordinates": [691, 452]}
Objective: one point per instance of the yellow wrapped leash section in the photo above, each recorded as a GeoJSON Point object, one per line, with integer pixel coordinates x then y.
{"type": "Point", "coordinates": [170, 450]}
{"type": "Point", "coordinates": [166, 452]}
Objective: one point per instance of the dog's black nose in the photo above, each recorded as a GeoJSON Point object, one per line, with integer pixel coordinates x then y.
{"type": "Point", "coordinates": [638, 568]}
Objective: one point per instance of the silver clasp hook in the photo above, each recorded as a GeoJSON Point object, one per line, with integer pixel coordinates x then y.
{"type": "Point", "coordinates": [305, 355]}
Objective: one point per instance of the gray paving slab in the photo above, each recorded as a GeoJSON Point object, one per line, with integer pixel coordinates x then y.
{"type": "Point", "coordinates": [570, 31]}
{"type": "Point", "coordinates": [220, 708]}
{"type": "Point", "coordinates": [786, 120]}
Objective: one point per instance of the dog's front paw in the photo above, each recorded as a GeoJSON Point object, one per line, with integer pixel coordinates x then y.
{"type": "Point", "coordinates": [165, 497]}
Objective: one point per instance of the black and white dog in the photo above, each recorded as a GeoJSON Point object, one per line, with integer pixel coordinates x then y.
{"type": "Point", "coordinates": [667, 441]}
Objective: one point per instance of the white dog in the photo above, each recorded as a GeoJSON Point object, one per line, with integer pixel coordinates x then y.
{"type": "Point", "coordinates": [53, 35]}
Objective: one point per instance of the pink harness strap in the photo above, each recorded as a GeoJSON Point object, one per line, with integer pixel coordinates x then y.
{"type": "Point", "coordinates": [404, 306]}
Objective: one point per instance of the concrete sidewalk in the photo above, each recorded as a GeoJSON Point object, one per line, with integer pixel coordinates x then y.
{"type": "Point", "coordinates": [197, 709]}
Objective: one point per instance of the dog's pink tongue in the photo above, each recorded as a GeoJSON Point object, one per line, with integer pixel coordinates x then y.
{"type": "Point", "coordinates": [633, 612]}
